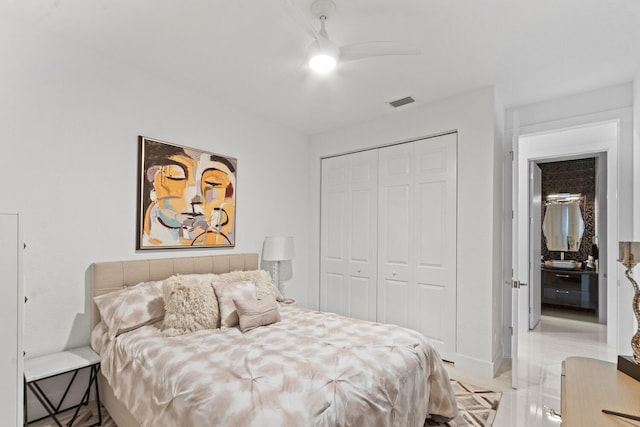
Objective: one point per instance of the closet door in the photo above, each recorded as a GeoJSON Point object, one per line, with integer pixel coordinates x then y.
{"type": "Point", "coordinates": [11, 307]}
{"type": "Point", "coordinates": [348, 237]}
{"type": "Point", "coordinates": [396, 216]}
{"type": "Point", "coordinates": [417, 238]}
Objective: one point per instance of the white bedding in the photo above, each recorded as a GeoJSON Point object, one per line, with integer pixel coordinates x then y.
{"type": "Point", "coordinates": [310, 369]}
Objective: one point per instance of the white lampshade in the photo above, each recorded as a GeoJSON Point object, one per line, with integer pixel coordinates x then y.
{"type": "Point", "coordinates": [629, 254]}
{"type": "Point", "coordinates": [277, 248]}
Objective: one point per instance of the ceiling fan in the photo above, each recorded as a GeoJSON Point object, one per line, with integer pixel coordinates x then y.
{"type": "Point", "coordinates": [323, 54]}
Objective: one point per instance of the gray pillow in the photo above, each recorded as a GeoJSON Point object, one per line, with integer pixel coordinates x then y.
{"type": "Point", "coordinates": [253, 313]}
{"type": "Point", "coordinates": [226, 293]}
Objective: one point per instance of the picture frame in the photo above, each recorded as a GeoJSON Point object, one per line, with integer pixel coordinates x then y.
{"type": "Point", "coordinates": [186, 197]}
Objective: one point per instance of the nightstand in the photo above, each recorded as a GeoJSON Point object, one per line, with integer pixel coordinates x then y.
{"type": "Point", "coordinates": [51, 365]}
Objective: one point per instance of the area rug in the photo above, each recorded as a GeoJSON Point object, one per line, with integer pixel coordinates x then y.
{"type": "Point", "coordinates": [477, 406]}
{"type": "Point", "coordinates": [87, 416]}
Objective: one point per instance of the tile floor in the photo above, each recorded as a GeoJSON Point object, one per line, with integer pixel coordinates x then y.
{"type": "Point", "coordinates": [557, 336]}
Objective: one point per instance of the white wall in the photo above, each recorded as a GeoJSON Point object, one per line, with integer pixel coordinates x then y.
{"type": "Point", "coordinates": [472, 115]}
{"type": "Point", "coordinates": [636, 157]}
{"type": "Point", "coordinates": [568, 107]}
{"type": "Point", "coordinates": [69, 122]}
{"type": "Point", "coordinates": [636, 173]}
{"type": "Point", "coordinates": [498, 235]}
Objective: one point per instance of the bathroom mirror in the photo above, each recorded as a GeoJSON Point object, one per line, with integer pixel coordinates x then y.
{"type": "Point", "coordinates": [563, 225]}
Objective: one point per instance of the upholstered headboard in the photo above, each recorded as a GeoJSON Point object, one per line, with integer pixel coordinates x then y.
{"type": "Point", "coordinates": [114, 275]}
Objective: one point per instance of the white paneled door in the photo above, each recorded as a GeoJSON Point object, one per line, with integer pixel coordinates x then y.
{"type": "Point", "coordinates": [417, 238]}
{"type": "Point", "coordinates": [388, 237]}
{"type": "Point", "coordinates": [348, 236]}
{"type": "Point", "coordinates": [535, 249]}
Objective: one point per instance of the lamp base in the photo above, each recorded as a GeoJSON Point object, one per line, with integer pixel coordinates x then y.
{"type": "Point", "coordinates": [628, 366]}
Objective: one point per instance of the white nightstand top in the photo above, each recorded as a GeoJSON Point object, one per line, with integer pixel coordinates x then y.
{"type": "Point", "coordinates": [48, 365]}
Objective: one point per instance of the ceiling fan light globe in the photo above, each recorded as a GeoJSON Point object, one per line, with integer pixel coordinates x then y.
{"type": "Point", "coordinates": [322, 63]}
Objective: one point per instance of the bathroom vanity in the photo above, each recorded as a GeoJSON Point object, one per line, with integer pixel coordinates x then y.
{"type": "Point", "coordinates": [570, 288]}
{"type": "Point", "coordinates": [564, 282]}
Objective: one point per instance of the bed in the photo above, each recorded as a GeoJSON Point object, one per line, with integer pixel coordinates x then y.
{"type": "Point", "coordinates": [308, 369]}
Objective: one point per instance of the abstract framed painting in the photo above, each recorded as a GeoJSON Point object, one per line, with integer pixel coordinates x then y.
{"type": "Point", "coordinates": [186, 197]}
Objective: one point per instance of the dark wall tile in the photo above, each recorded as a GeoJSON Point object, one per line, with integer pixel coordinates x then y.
{"type": "Point", "coordinates": [572, 176]}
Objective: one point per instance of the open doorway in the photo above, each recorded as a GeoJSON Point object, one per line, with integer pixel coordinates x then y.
{"type": "Point", "coordinates": [572, 194]}
{"type": "Point", "coordinates": [596, 140]}
{"type": "Point", "coordinates": [555, 151]}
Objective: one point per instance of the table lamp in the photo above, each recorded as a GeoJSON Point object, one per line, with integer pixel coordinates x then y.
{"type": "Point", "coordinates": [629, 257]}
{"type": "Point", "coordinates": [277, 249]}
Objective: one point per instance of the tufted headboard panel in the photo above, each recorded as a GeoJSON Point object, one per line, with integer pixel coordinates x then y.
{"type": "Point", "coordinates": [114, 275]}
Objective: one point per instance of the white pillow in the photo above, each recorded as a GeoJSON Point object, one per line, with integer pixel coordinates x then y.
{"type": "Point", "coordinates": [261, 278]}
{"type": "Point", "coordinates": [190, 304]}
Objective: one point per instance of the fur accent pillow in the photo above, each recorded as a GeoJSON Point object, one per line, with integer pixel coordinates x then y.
{"type": "Point", "coordinates": [261, 278]}
{"type": "Point", "coordinates": [255, 313]}
{"type": "Point", "coordinates": [130, 308]}
{"type": "Point", "coordinates": [190, 304]}
{"type": "Point", "coordinates": [226, 293]}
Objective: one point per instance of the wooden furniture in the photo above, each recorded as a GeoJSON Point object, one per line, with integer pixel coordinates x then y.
{"type": "Point", "coordinates": [11, 307]}
{"type": "Point", "coordinates": [51, 365]}
{"type": "Point", "coordinates": [570, 288]}
{"type": "Point", "coordinates": [591, 385]}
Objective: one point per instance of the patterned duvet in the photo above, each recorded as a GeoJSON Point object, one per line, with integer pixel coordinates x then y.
{"type": "Point", "coordinates": [310, 369]}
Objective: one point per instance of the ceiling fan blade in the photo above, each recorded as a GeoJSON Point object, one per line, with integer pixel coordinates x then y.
{"type": "Point", "coordinates": [369, 49]}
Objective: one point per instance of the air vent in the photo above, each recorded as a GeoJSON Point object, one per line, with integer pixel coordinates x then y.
{"type": "Point", "coordinates": [403, 101]}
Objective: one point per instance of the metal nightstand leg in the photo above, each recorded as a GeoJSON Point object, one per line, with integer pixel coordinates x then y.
{"type": "Point", "coordinates": [93, 380]}
{"type": "Point", "coordinates": [54, 410]}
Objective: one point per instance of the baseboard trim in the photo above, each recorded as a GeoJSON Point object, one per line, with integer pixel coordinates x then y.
{"type": "Point", "coordinates": [497, 362]}
{"type": "Point", "coordinates": [475, 366]}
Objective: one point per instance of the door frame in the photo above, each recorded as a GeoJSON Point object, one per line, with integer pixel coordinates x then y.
{"type": "Point", "coordinates": [546, 149]}
{"type": "Point", "coordinates": [623, 321]}
{"type": "Point", "coordinates": [535, 243]}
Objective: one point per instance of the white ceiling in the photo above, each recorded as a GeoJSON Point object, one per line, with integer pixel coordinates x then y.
{"type": "Point", "coordinates": [250, 53]}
